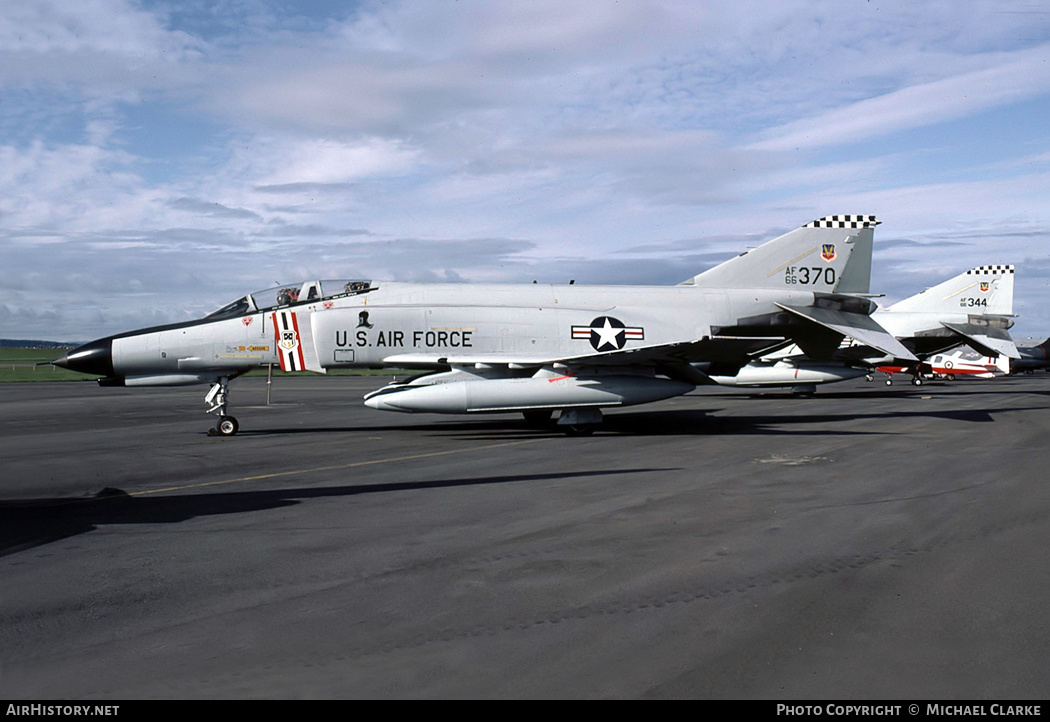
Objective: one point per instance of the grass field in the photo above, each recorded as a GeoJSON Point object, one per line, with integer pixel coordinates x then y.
{"type": "Point", "coordinates": [20, 364]}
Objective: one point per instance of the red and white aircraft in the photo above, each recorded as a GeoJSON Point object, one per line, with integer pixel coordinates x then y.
{"type": "Point", "coordinates": [964, 361]}
{"type": "Point", "coordinates": [960, 362]}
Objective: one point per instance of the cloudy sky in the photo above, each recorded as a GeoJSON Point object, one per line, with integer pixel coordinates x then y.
{"type": "Point", "coordinates": [160, 158]}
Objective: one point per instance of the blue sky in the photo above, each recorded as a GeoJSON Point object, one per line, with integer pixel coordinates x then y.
{"type": "Point", "coordinates": [158, 159]}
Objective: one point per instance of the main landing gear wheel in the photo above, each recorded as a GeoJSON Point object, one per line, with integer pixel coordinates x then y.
{"type": "Point", "coordinates": [226, 426]}
{"type": "Point", "coordinates": [804, 391]}
{"type": "Point", "coordinates": [538, 418]}
{"type": "Point", "coordinates": [579, 422]}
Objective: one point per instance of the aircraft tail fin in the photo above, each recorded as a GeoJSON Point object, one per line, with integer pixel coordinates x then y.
{"type": "Point", "coordinates": [984, 290]}
{"type": "Point", "coordinates": [830, 255]}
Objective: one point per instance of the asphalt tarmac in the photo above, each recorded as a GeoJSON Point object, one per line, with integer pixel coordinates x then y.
{"type": "Point", "coordinates": [870, 542]}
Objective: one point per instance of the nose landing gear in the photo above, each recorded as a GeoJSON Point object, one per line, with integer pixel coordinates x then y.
{"type": "Point", "coordinates": [219, 396]}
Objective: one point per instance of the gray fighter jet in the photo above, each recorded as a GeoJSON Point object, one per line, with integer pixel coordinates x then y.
{"type": "Point", "coordinates": [533, 348]}
{"type": "Point", "coordinates": [1034, 356]}
{"type": "Point", "coordinates": [974, 308]}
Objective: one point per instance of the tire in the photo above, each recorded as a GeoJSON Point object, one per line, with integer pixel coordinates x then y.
{"type": "Point", "coordinates": [539, 418]}
{"type": "Point", "coordinates": [227, 426]}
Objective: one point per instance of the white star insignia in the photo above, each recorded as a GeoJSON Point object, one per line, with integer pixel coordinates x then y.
{"type": "Point", "coordinates": [607, 335]}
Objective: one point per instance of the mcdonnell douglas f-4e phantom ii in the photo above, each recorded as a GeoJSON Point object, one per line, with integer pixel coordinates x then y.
{"type": "Point", "coordinates": [1032, 357]}
{"type": "Point", "coordinates": [975, 308]}
{"type": "Point", "coordinates": [530, 348]}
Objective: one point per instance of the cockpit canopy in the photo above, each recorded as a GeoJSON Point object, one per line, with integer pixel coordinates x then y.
{"type": "Point", "coordinates": [290, 295]}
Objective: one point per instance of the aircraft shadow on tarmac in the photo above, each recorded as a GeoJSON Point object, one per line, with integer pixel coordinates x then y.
{"type": "Point", "coordinates": [672, 423]}
{"type": "Point", "coordinates": [685, 422]}
{"type": "Point", "coordinates": [25, 524]}
{"type": "Point", "coordinates": [706, 421]}
{"type": "Point", "coordinates": [902, 391]}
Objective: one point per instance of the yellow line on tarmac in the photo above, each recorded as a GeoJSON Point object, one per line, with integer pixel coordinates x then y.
{"type": "Point", "coordinates": [297, 472]}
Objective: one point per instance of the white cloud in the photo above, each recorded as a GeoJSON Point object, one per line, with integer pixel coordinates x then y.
{"type": "Point", "coordinates": [108, 48]}
{"type": "Point", "coordinates": [1015, 77]}
{"type": "Point", "coordinates": [68, 187]}
{"type": "Point", "coordinates": [327, 161]}
{"type": "Point", "coordinates": [96, 26]}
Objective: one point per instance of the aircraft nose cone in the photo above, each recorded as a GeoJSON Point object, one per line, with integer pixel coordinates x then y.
{"type": "Point", "coordinates": [91, 358]}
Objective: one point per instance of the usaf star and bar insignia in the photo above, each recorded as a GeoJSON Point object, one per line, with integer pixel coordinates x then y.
{"type": "Point", "coordinates": [608, 334]}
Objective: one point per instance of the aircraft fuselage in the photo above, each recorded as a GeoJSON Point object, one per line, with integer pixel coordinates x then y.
{"type": "Point", "coordinates": [429, 322]}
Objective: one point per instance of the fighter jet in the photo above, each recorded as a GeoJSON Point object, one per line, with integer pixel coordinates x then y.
{"type": "Point", "coordinates": [533, 348]}
{"type": "Point", "coordinates": [1033, 357]}
{"type": "Point", "coordinates": [975, 308]}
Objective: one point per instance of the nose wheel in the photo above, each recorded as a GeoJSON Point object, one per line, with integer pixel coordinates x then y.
{"type": "Point", "coordinates": [225, 426]}
{"type": "Point", "coordinates": [218, 397]}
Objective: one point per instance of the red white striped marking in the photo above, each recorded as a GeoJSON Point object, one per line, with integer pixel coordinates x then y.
{"type": "Point", "coordinates": [289, 347]}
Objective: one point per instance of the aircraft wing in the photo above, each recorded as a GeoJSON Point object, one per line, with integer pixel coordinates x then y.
{"type": "Point", "coordinates": [989, 341]}
{"type": "Point", "coordinates": [857, 326]}
{"type": "Point", "coordinates": [715, 349]}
